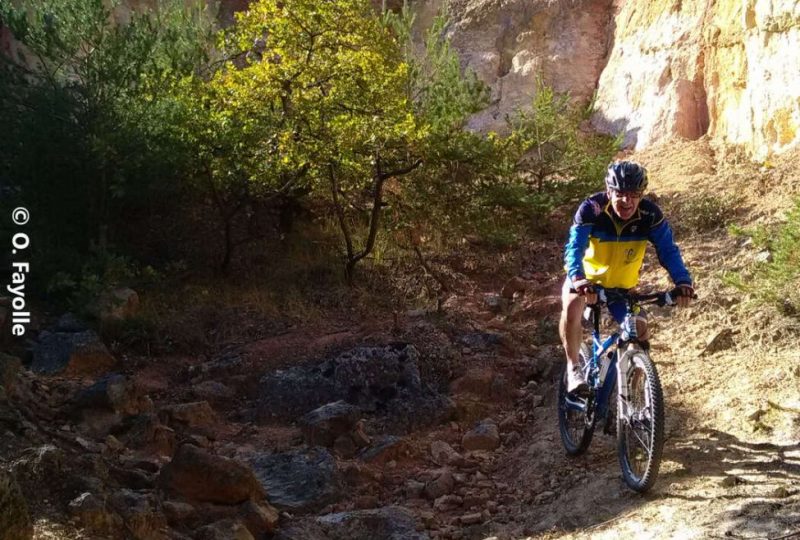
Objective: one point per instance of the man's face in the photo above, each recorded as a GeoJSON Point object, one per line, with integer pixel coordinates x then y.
{"type": "Point", "coordinates": [625, 203]}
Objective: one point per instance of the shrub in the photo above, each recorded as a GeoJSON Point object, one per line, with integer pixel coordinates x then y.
{"type": "Point", "coordinates": [776, 279]}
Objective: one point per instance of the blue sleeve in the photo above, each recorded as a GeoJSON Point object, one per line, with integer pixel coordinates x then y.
{"type": "Point", "coordinates": [668, 253]}
{"type": "Point", "coordinates": [578, 239]}
{"type": "Point", "coordinates": [576, 247]}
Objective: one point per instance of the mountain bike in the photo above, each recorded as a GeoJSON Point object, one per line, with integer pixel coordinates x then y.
{"type": "Point", "coordinates": [619, 365]}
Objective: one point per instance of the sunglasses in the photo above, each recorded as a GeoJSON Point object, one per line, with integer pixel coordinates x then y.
{"type": "Point", "coordinates": [629, 194]}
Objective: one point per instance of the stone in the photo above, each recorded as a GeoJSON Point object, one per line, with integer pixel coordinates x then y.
{"type": "Point", "coordinates": [15, 519]}
{"type": "Point", "coordinates": [484, 436]}
{"type": "Point", "coordinates": [444, 454]}
{"type": "Point", "coordinates": [198, 475]}
{"type": "Point", "coordinates": [198, 414]}
{"type": "Point", "coordinates": [323, 425]}
{"type": "Point", "coordinates": [481, 341]}
{"type": "Point", "coordinates": [414, 489]}
{"type": "Point", "coordinates": [114, 392]}
{"type": "Point", "coordinates": [226, 529]}
{"type": "Point", "coordinates": [179, 512]}
{"type": "Point", "coordinates": [260, 518]}
{"type": "Point", "coordinates": [41, 463]}
{"type": "Point", "coordinates": [387, 523]}
{"type": "Point", "coordinates": [764, 256]}
{"type": "Point", "coordinates": [345, 447]}
{"type": "Point", "coordinates": [720, 341]}
{"type": "Point", "coordinates": [139, 512]}
{"type": "Point", "coordinates": [299, 481]}
{"type": "Point", "coordinates": [471, 519]}
{"type": "Point", "coordinates": [383, 382]}
{"type": "Point", "coordinates": [213, 391]}
{"type": "Point", "coordinates": [476, 381]}
{"type": "Point", "coordinates": [441, 485]}
{"type": "Point", "coordinates": [384, 449]}
{"type": "Point", "coordinates": [512, 438]}
{"type": "Point", "coordinates": [117, 304]}
{"type": "Point", "coordinates": [71, 353]}
{"type": "Point", "coordinates": [447, 502]}
{"type": "Point", "coordinates": [92, 514]}
{"type": "Point", "coordinates": [146, 432]}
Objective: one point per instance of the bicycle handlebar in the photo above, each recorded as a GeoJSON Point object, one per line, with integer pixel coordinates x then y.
{"type": "Point", "coordinates": [661, 299]}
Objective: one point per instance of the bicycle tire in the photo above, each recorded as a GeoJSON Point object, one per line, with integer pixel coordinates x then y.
{"type": "Point", "coordinates": [576, 431]}
{"type": "Point", "coordinates": [640, 432]}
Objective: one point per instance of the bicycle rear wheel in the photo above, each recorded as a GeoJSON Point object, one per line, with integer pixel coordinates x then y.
{"type": "Point", "coordinates": [640, 423]}
{"type": "Point", "coordinates": [575, 425]}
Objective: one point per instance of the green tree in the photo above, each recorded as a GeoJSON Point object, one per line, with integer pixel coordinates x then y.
{"type": "Point", "coordinates": [87, 112]}
{"type": "Point", "coordinates": [318, 91]}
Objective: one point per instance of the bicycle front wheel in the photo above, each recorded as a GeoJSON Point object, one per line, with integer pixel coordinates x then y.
{"type": "Point", "coordinates": [574, 421]}
{"type": "Point", "coordinates": [640, 422]}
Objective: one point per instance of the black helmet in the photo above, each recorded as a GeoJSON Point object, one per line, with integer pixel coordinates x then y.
{"type": "Point", "coordinates": [626, 176]}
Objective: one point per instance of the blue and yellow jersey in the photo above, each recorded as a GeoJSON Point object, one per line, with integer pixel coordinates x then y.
{"type": "Point", "coordinates": [609, 252]}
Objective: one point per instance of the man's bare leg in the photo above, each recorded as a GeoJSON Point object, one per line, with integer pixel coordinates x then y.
{"type": "Point", "coordinates": [569, 326]}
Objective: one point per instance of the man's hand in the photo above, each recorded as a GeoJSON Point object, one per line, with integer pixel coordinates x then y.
{"type": "Point", "coordinates": [687, 294]}
{"type": "Point", "coordinates": [585, 288]}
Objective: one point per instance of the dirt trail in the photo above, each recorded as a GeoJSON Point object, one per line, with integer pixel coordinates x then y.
{"type": "Point", "coordinates": [731, 466]}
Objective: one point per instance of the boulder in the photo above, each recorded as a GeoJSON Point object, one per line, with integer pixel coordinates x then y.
{"type": "Point", "coordinates": [323, 425]}
{"type": "Point", "coordinates": [299, 481]}
{"type": "Point", "coordinates": [198, 475]}
{"type": "Point", "coordinates": [444, 454]}
{"type": "Point", "coordinates": [383, 382]}
{"type": "Point", "coordinates": [484, 436]}
{"type": "Point", "coordinates": [71, 353]}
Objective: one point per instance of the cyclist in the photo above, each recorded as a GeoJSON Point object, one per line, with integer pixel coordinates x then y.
{"type": "Point", "coordinates": [606, 247]}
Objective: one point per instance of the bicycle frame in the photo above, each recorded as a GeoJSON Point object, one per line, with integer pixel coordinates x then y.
{"type": "Point", "coordinates": [599, 348]}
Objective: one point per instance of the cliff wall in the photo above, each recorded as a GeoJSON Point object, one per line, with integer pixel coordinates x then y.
{"type": "Point", "coordinates": [660, 69]}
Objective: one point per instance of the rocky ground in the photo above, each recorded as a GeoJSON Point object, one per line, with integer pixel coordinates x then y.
{"type": "Point", "coordinates": [421, 424]}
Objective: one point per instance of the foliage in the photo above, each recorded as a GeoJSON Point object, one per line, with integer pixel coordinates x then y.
{"type": "Point", "coordinates": [88, 117]}
{"type": "Point", "coordinates": [704, 212]}
{"type": "Point", "coordinates": [776, 279]}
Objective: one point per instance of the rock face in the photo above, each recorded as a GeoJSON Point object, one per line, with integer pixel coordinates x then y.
{"type": "Point", "coordinates": [691, 67]}
{"type": "Point", "coordinates": [509, 44]}
{"type": "Point", "coordinates": [661, 69]}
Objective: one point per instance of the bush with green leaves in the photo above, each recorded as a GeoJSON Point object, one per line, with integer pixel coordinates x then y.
{"type": "Point", "coordinates": [775, 278]}
{"type": "Point", "coordinates": [88, 117]}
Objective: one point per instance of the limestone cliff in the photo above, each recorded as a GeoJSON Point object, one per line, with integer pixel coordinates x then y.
{"type": "Point", "coordinates": [661, 68]}
{"type": "Point", "coordinates": [509, 43]}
